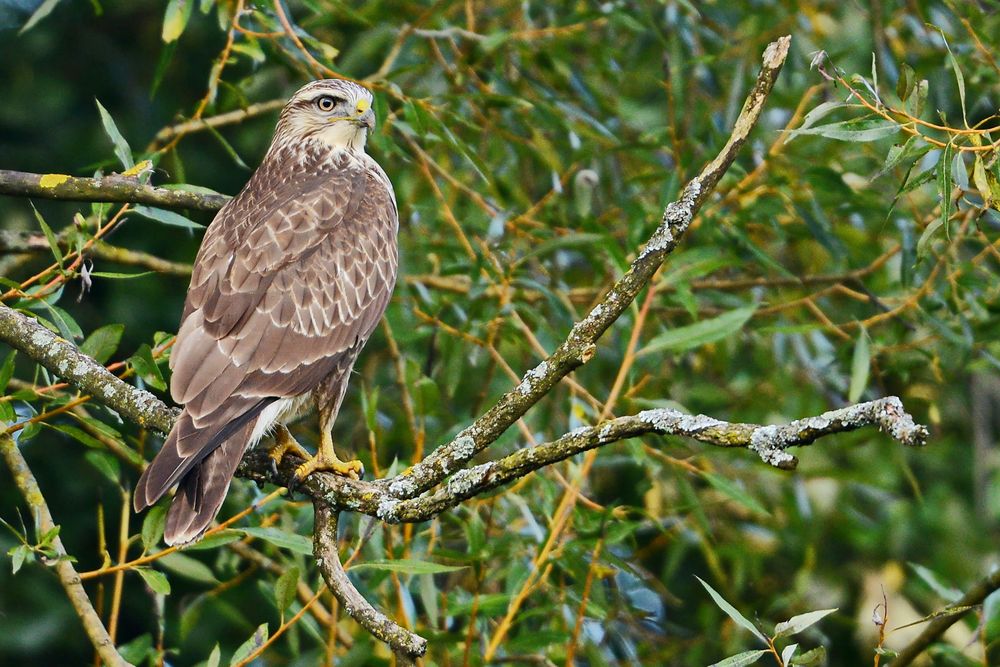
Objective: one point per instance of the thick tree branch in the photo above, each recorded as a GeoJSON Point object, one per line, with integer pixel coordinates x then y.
{"type": "Point", "coordinates": [973, 598]}
{"type": "Point", "coordinates": [403, 642]}
{"type": "Point", "coordinates": [111, 188]}
{"type": "Point", "coordinates": [65, 360]}
{"type": "Point", "coordinates": [26, 483]}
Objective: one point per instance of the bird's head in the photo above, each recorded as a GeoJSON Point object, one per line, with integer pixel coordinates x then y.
{"type": "Point", "coordinates": [337, 112]}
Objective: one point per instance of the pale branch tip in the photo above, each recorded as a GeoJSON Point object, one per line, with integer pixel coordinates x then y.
{"type": "Point", "coordinates": [110, 188]}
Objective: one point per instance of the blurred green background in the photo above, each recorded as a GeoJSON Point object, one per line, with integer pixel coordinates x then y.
{"type": "Point", "coordinates": [532, 147]}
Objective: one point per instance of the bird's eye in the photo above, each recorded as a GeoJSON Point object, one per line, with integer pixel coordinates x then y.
{"type": "Point", "coordinates": [326, 103]}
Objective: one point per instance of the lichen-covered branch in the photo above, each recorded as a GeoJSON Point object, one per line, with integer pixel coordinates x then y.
{"type": "Point", "coordinates": [26, 483]}
{"type": "Point", "coordinates": [770, 442]}
{"type": "Point", "coordinates": [111, 188]}
{"type": "Point", "coordinates": [937, 627]}
{"type": "Point", "coordinates": [580, 345]}
{"type": "Point", "coordinates": [403, 642]}
{"type": "Point", "coordinates": [65, 360]}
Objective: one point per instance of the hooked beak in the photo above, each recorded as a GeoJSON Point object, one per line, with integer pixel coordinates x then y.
{"type": "Point", "coordinates": [365, 115]}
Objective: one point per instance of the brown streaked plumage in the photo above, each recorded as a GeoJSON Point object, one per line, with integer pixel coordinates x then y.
{"type": "Point", "coordinates": [292, 277]}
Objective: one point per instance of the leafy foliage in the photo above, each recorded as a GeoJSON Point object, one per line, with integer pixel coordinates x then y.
{"type": "Point", "coordinates": [851, 254]}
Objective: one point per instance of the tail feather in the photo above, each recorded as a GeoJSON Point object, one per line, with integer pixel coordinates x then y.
{"type": "Point", "coordinates": [203, 490]}
{"type": "Point", "coordinates": [188, 444]}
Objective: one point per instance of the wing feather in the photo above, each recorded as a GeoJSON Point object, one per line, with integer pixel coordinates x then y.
{"type": "Point", "coordinates": [281, 294]}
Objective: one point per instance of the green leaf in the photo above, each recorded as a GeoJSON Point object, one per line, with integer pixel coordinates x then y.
{"type": "Point", "coordinates": [256, 640]}
{"type": "Point", "coordinates": [122, 150]}
{"type": "Point", "coordinates": [943, 173]}
{"type": "Point", "coordinates": [852, 130]}
{"type": "Point", "coordinates": [166, 217]}
{"type": "Point", "coordinates": [699, 333]}
{"type": "Point", "coordinates": [285, 588]}
{"type": "Point", "coordinates": [49, 236]}
{"type": "Point", "coordinates": [734, 492]}
{"type": "Point", "coordinates": [7, 369]}
{"type": "Point", "coordinates": [155, 579]}
{"type": "Point", "coordinates": [120, 276]}
{"type": "Point", "coordinates": [788, 652]}
{"type": "Point", "coordinates": [731, 612]}
{"type": "Point", "coordinates": [136, 651]}
{"type": "Point", "coordinates": [142, 362]}
{"type": "Point", "coordinates": [407, 566]}
{"type": "Point", "coordinates": [17, 556]}
{"type": "Point", "coordinates": [740, 659]}
{"type": "Point", "coordinates": [931, 579]}
{"type": "Point", "coordinates": [152, 527]}
{"type": "Point", "coordinates": [214, 657]}
{"type": "Point", "coordinates": [215, 540]}
{"type": "Point", "coordinates": [106, 464]}
{"type": "Point", "coordinates": [813, 658]}
{"type": "Point", "coordinates": [860, 365]}
{"type": "Point", "coordinates": [43, 10]}
{"type": "Point", "coordinates": [188, 567]}
{"type": "Point", "coordinates": [797, 624]}
{"type": "Point", "coordinates": [175, 19]}
{"type": "Point", "coordinates": [815, 115]}
{"type": "Point", "coordinates": [103, 342]}
{"type": "Point", "coordinates": [284, 540]}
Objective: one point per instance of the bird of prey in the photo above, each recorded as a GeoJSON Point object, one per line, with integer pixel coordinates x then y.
{"type": "Point", "coordinates": [293, 275]}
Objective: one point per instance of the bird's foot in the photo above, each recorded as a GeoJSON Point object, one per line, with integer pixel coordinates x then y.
{"type": "Point", "coordinates": [352, 469]}
{"type": "Point", "coordinates": [284, 443]}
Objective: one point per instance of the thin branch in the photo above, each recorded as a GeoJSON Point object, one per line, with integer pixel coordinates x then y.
{"type": "Point", "coordinates": [213, 122]}
{"type": "Point", "coordinates": [973, 598]}
{"type": "Point", "coordinates": [19, 242]}
{"type": "Point", "coordinates": [26, 483]}
{"type": "Point", "coordinates": [580, 346]}
{"type": "Point", "coordinates": [111, 188]}
{"type": "Point", "coordinates": [404, 643]}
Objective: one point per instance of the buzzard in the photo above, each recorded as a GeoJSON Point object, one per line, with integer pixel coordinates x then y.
{"type": "Point", "coordinates": [293, 275]}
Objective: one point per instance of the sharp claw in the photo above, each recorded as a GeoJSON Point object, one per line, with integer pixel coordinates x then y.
{"type": "Point", "coordinates": [274, 467]}
{"type": "Point", "coordinates": [361, 471]}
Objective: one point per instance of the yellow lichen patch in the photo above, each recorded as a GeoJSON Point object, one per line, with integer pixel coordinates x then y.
{"type": "Point", "coordinates": [144, 166]}
{"type": "Point", "coordinates": [52, 180]}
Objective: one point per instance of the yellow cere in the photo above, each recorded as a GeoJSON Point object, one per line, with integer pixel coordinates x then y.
{"type": "Point", "coordinates": [363, 105]}
{"type": "Point", "coordinates": [52, 180]}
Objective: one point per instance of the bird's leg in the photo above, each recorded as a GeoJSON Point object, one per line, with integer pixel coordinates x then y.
{"type": "Point", "coordinates": [283, 443]}
{"type": "Point", "coordinates": [327, 460]}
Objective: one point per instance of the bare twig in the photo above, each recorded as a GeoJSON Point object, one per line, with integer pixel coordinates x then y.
{"type": "Point", "coordinates": [973, 597]}
{"type": "Point", "coordinates": [403, 642]}
{"type": "Point", "coordinates": [213, 122]}
{"type": "Point", "coordinates": [111, 188]}
{"type": "Point", "coordinates": [26, 483]}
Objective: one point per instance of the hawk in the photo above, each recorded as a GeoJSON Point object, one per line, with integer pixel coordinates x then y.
{"type": "Point", "coordinates": [291, 279]}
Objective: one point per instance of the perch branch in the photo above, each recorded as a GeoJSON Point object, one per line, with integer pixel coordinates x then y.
{"type": "Point", "coordinates": [580, 346]}
{"type": "Point", "coordinates": [404, 643]}
{"type": "Point", "coordinates": [973, 598]}
{"type": "Point", "coordinates": [26, 483]}
{"type": "Point", "coordinates": [769, 442]}
{"type": "Point", "coordinates": [111, 188]}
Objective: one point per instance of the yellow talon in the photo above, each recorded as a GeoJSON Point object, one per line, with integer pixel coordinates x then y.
{"type": "Point", "coordinates": [284, 443]}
